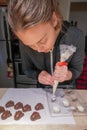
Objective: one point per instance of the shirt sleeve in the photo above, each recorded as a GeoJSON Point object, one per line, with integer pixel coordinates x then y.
{"type": "Point", "coordinates": [77, 60]}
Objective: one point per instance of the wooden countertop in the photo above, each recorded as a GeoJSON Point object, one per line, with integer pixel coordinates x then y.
{"type": "Point", "coordinates": [81, 121]}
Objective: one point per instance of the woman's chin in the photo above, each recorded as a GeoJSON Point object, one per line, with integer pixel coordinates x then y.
{"type": "Point", "coordinates": [44, 51]}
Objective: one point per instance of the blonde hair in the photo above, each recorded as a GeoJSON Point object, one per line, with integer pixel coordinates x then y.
{"type": "Point", "coordinates": [23, 14]}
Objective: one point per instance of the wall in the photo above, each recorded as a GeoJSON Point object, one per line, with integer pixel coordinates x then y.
{"type": "Point", "coordinates": [78, 0]}
{"type": "Point", "coordinates": [81, 18]}
{"type": "Point", "coordinates": [65, 8]}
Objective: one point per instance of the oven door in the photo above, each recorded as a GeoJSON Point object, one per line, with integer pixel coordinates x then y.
{"type": "Point", "coordinates": [20, 77]}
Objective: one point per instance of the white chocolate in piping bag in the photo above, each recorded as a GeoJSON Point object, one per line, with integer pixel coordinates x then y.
{"type": "Point", "coordinates": [65, 52]}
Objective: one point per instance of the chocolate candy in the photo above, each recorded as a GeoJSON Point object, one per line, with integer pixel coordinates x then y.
{"type": "Point", "coordinates": [26, 108]}
{"type": "Point", "coordinates": [18, 115]}
{"type": "Point", "coordinates": [18, 105]}
{"type": "Point", "coordinates": [35, 116]}
{"type": "Point", "coordinates": [39, 106]}
{"type": "Point", "coordinates": [6, 114]}
{"type": "Point", "coordinates": [9, 104]}
{"type": "Point", "coordinates": [2, 109]}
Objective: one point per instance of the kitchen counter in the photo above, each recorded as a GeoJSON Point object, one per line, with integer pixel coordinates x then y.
{"type": "Point", "coordinates": [81, 121]}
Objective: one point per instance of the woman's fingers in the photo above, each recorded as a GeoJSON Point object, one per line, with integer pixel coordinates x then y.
{"type": "Point", "coordinates": [45, 78]}
{"type": "Point", "coordinates": [60, 73]}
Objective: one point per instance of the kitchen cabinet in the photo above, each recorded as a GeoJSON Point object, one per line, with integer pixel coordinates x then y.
{"type": "Point", "coordinates": [3, 2]}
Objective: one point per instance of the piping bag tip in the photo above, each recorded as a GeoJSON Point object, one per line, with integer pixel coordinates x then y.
{"type": "Point", "coordinates": [54, 90]}
{"type": "Point", "coordinates": [53, 99]}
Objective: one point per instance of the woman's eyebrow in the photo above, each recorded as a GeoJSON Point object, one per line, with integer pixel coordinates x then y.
{"type": "Point", "coordinates": [41, 39]}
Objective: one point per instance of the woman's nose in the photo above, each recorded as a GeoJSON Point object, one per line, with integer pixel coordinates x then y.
{"type": "Point", "coordinates": [39, 48]}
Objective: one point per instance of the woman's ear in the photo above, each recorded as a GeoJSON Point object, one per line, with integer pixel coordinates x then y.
{"type": "Point", "coordinates": [54, 19]}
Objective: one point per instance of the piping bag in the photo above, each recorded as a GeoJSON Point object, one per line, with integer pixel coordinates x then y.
{"type": "Point", "coordinates": [65, 52]}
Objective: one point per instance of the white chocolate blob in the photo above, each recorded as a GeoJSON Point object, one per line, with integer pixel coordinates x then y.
{"type": "Point", "coordinates": [80, 108]}
{"type": "Point", "coordinates": [56, 109]}
{"type": "Point", "coordinates": [66, 103]}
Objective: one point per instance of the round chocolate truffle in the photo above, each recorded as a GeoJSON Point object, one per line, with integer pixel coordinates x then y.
{"type": "Point", "coordinates": [26, 108]}
{"type": "Point", "coordinates": [6, 114]}
{"type": "Point", "coordinates": [35, 116]}
{"type": "Point", "coordinates": [18, 115]}
{"type": "Point", "coordinates": [2, 109]}
{"type": "Point", "coordinates": [18, 105]}
{"type": "Point", "coordinates": [9, 104]}
{"type": "Point", "coordinates": [39, 106]}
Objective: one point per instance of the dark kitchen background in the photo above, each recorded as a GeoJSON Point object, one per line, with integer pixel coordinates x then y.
{"type": "Point", "coordinates": [11, 73]}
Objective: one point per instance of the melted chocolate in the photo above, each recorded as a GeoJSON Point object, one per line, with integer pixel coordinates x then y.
{"type": "Point", "coordinates": [39, 106]}
{"type": "Point", "coordinates": [6, 114]}
{"type": "Point", "coordinates": [2, 109]}
{"type": "Point", "coordinates": [18, 115]}
{"type": "Point", "coordinates": [9, 104]}
{"type": "Point", "coordinates": [35, 116]}
{"type": "Point", "coordinates": [26, 108]}
{"type": "Point", "coordinates": [18, 105]}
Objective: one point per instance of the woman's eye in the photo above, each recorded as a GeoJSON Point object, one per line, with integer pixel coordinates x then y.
{"type": "Point", "coordinates": [41, 43]}
{"type": "Point", "coordinates": [44, 41]}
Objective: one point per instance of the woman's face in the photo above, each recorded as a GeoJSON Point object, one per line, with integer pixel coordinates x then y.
{"type": "Point", "coordinates": [41, 37]}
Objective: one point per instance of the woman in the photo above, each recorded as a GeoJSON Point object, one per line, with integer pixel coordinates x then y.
{"type": "Point", "coordinates": [39, 25]}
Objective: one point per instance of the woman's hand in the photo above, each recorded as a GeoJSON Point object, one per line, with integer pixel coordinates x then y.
{"type": "Point", "coordinates": [60, 73]}
{"type": "Point", "coordinates": [45, 78]}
